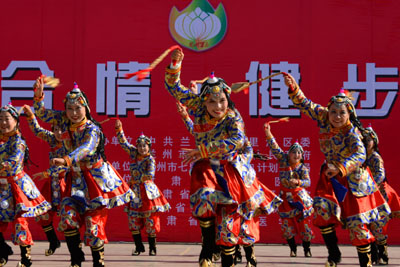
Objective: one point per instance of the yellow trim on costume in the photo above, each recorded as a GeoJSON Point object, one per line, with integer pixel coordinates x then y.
{"type": "Point", "coordinates": [68, 161]}
{"type": "Point", "coordinates": [366, 249]}
{"type": "Point", "coordinates": [228, 251]}
{"type": "Point", "coordinates": [173, 71]}
{"type": "Point", "coordinates": [75, 126]}
{"type": "Point", "coordinates": [72, 232]}
{"type": "Point", "coordinates": [327, 230]}
{"type": "Point", "coordinates": [135, 232]}
{"type": "Point", "coordinates": [97, 248]}
{"type": "Point", "coordinates": [341, 168]}
{"type": "Point", "coordinates": [203, 151]}
{"type": "Point", "coordinates": [206, 224]}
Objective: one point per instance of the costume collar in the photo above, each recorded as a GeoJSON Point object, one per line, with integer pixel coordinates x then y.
{"type": "Point", "coordinates": [347, 126]}
{"type": "Point", "coordinates": [215, 121]}
{"type": "Point", "coordinates": [75, 126]}
{"type": "Point", "coordinates": [140, 157]}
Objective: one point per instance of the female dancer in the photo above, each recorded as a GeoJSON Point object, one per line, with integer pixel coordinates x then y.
{"type": "Point", "coordinates": [224, 189]}
{"type": "Point", "coordinates": [20, 197]}
{"type": "Point", "coordinates": [149, 201]}
{"type": "Point", "coordinates": [296, 208]}
{"type": "Point", "coordinates": [341, 143]}
{"type": "Point", "coordinates": [379, 229]}
{"type": "Point", "coordinates": [92, 185]}
{"type": "Point", "coordinates": [53, 187]}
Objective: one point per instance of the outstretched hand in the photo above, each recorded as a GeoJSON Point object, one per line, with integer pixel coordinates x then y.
{"type": "Point", "coordinates": [181, 109]}
{"type": "Point", "coordinates": [191, 156]}
{"type": "Point", "coordinates": [267, 129]}
{"type": "Point", "coordinates": [290, 81]}
{"type": "Point", "coordinates": [38, 87]}
{"type": "Point", "coordinates": [331, 171]}
{"type": "Point", "coordinates": [118, 124]}
{"type": "Point", "coordinates": [177, 56]}
{"type": "Point", "coordinates": [27, 110]}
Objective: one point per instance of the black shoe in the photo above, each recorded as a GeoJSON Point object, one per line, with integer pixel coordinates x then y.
{"type": "Point", "coordinates": [139, 245]}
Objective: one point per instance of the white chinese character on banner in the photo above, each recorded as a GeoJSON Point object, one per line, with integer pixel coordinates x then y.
{"type": "Point", "coordinates": [114, 141]}
{"type": "Point", "coordinates": [126, 178]}
{"type": "Point", "coordinates": [192, 221]}
{"type": "Point", "coordinates": [277, 181]}
{"type": "Point", "coordinates": [116, 165]}
{"type": "Point", "coordinates": [183, 167]}
{"type": "Point", "coordinates": [126, 165]}
{"type": "Point", "coordinates": [184, 194]}
{"type": "Point", "coordinates": [368, 106]}
{"type": "Point", "coordinates": [273, 92]}
{"type": "Point", "coordinates": [182, 154]}
{"type": "Point", "coordinates": [308, 165]}
{"type": "Point", "coordinates": [167, 193]}
{"type": "Point", "coordinates": [263, 221]}
{"type": "Point", "coordinates": [129, 139]}
{"type": "Point", "coordinates": [168, 141]}
{"type": "Point", "coordinates": [162, 166]}
{"type": "Point", "coordinates": [171, 220]}
{"type": "Point", "coordinates": [167, 154]}
{"type": "Point", "coordinates": [253, 141]}
{"type": "Point", "coordinates": [107, 141]}
{"type": "Point", "coordinates": [176, 180]}
{"type": "Point", "coordinates": [185, 141]}
{"type": "Point", "coordinates": [305, 142]}
{"type": "Point", "coordinates": [261, 167]}
{"type": "Point", "coordinates": [180, 207]}
{"type": "Point", "coordinates": [273, 167]}
{"type": "Point", "coordinates": [306, 155]}
{"type": "Point", "coordinates": [22, 89]}
{"type": "Point", "coordinates": [131, 94]}
{"type": "Point", "coordinates": [172, 166]}
{"type": "Point", "coordinates": [287, 141]}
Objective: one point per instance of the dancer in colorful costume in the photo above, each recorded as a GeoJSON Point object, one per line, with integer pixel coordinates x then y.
{"type": "Point", "coordinates": [143, 211]}
{"type": "Point", "coordinates": [380, 228]}
{"type": "Point", "coordinates": [92, 185]}
{"type": "Point", "coordinates": [297, 206]}
{"type": "Point", "coordinates": [20, 197]}
{"type": "Point", "coordinates": [225, 195]}
{"type": "Point", "coordinates": [54, 185]}
{"type": "Point", "coordinates": [346, 192]}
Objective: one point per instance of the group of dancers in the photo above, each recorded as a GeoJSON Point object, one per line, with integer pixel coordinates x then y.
{"type": "Point", "coordinates": [226, 196]}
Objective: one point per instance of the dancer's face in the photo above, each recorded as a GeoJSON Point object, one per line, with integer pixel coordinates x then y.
{"type": "Point", "coordinates": [75, 112]}
{"type": "Point", "coordinates": [295, 156]}
{"type": "Point", "coordinates": [57, 132]}
{"type": "Point", "coordinates": [217, 105]}
{"type": "Point", "coordinates": [338, 115]}
{"type": "Point", "coordinates": [370, 143]}
{"type": "Point", "coordinates": [143, 149]}
{"type": "Point", "coordinates": [7, 122]}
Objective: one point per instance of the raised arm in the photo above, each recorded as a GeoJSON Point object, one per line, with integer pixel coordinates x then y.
{"type": "Point", "coordinates": [46, 115]}
{"type": "Point", "coordinates": [305, 105]}
{"type": "Point", "coordinates": [40, 132]}
{"type": "Point", "coordinates": [129, 148]}
{"type": "Point", "coordinates": [273, 145]}
{"type": "Point", "coordinates": [174, 86]}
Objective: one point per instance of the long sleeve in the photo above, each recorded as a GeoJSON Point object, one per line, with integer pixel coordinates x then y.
{"type": "Point", "coordinates": [129, 148]}
{"type": "Point", "coordinates": [305, 180]}
{"type": "Point", "coordinates": [180, 92]}
{"type": "Point", "coordinates": [375, 162]}
{"type": "Point", "coordinates": [88, 146]}
{"type": "Point", "coordinates": [188, 123]}
{"type": "Point", "coordinates": [275, 148]}
{"type": "Point", "coordinates": [306, 106]}
{"type": "Point", "coordinates": [47, 115]}
{"type": "Point", "coordinates": [40, 132]}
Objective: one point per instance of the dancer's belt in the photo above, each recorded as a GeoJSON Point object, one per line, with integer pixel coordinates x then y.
{"type": "Point", "coordinates": [10, 179]}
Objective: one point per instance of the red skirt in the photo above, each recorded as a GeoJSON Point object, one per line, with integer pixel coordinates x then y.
{"type": "Point", "coordinates": [329, 211]}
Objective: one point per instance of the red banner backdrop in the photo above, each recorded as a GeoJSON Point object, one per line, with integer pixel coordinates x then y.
{"type": "Point", "coordinates": [326, 45]}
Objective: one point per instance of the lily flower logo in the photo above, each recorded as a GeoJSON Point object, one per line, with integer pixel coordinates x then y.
{"type": "Point", "coordinates": [198, 27]}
